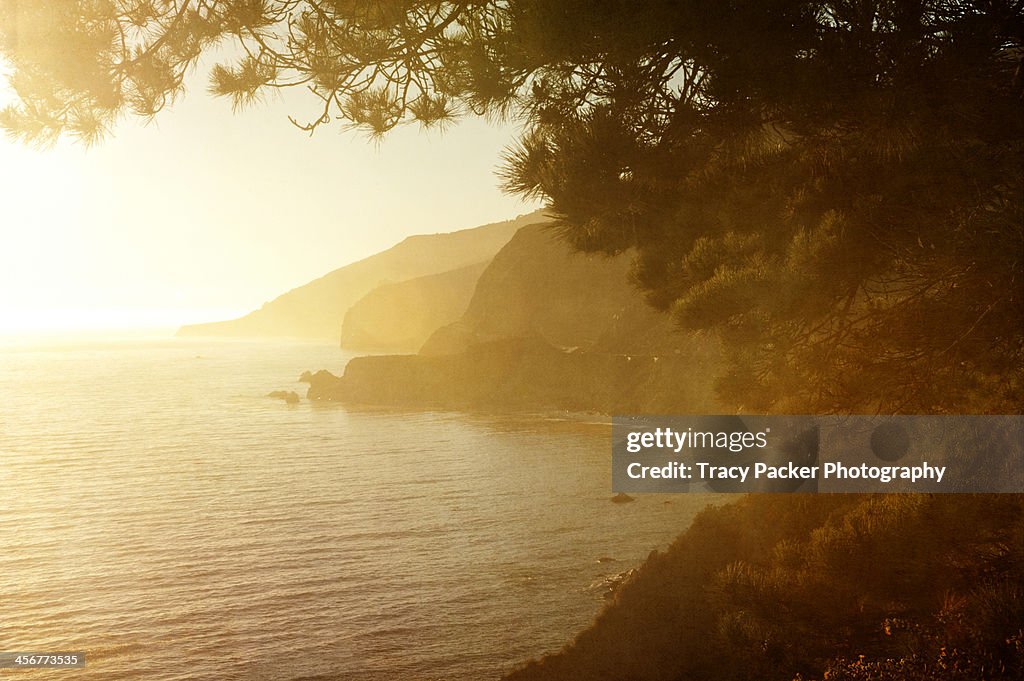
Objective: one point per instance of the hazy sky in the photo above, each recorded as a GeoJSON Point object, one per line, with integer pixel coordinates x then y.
{"type": "Point", "coordinates": [205, 214]}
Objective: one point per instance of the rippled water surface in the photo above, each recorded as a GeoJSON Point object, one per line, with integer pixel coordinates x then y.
{"type": "Point", "coordinates": [161, 514]}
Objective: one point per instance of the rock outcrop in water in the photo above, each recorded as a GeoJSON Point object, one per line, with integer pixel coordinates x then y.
{"type": "Point", "coordinates": [317, 309]}
{"type": "Point", "coordinates": [289, 396]}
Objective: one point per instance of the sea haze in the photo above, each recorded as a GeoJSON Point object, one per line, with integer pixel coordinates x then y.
{"type": "Point", "coordinates": [161, 514]}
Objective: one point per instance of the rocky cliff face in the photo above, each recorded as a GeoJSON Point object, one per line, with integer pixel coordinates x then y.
{"type": "Point", "coordinates": [317, 309]}
{"type": "Point", "coordinates": [400, 317]}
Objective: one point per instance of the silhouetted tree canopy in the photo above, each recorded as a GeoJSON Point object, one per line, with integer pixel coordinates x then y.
{"type": "Point", "coordinates": [834, 188]}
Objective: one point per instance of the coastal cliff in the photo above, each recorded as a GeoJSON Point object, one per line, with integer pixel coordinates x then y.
{"type": "Point", "coordinates": [537, 286]}
{"type": "Point", "coordinates": [546, 329]}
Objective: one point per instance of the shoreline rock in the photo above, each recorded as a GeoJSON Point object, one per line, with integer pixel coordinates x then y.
{"type": "Point", "coordinates": [289, 396]}
{"type": "Point", "coordinates": [519, 374]}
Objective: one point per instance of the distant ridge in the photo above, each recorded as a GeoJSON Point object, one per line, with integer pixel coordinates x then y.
{"type": "Point", "coordinates": [316, 310]}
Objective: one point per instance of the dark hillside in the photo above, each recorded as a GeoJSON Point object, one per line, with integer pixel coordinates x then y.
{"type": "Point", "coordinates": [777, 587]}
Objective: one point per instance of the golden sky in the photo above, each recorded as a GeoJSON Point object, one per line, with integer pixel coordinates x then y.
{"type": "Point", "coordinates": [204, 214]}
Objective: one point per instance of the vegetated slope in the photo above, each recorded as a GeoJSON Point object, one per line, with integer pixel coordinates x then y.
{"type": "Point", "coordinates": [316, 310]}
{"type": "Point", "coordinates": [844, 587]}
{"type": "Point", "coordinates": [400, 317]}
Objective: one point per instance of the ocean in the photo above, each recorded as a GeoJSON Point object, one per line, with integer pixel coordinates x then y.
{"type": "Point", "coordinates": [161, 514]}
